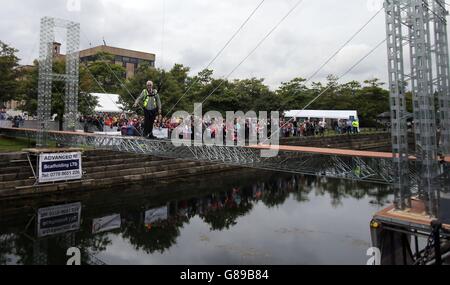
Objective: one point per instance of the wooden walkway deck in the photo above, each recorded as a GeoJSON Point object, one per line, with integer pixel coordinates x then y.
{"type": "Point", "coordinates": [340, 152]}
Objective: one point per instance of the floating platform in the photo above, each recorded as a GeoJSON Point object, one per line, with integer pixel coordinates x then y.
{"type": "Point", "coordinates": [412, 236]}
{"type": "Point", "coordinates": [414, 218]}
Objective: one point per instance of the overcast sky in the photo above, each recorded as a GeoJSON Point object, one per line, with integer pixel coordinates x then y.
{"type": "Point", "coordinates": [195, 30]}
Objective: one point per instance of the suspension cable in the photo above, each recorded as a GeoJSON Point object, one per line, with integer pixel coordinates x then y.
{"type": "Point", "coordinates": [333, 56]}
{"type": "Point", "coordinates": [163, 32]}
{"type": "Point", "coordinates": [115, 75]}
{"type": "Point", "coordinates": [254, 49]}
{"type": "Point", "coordinates": [344, 45]}
{"type": "Point", "coordinates": [220, 52]}
{"type": "Point", "coordinates": [104, 91]}
{"type": "Point", "coordinates": [329, 87]}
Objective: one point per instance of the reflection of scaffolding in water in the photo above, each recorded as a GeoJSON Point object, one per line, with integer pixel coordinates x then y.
{"type": "Point", "coordinates": [423, 27]}
{"type": "Point", "coordinates": [64, 241]}
{"type": "Point", "coordinates": [46, 75]}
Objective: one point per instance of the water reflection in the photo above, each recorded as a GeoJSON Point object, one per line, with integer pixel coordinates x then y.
{"type": "Point", "coordinates": [233, 214]}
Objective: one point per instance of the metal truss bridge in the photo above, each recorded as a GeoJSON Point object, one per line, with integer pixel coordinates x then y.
{"type": "Point", "coordinates": [376, 167]}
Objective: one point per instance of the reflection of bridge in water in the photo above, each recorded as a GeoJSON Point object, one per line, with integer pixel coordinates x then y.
{"type": "Point", "coordinates": [220, 207]}
{"type": "Point", "coordinates": [367, 166]}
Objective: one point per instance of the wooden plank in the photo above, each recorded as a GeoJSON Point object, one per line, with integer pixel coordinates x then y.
{"type": "Point", "coordinates": [416, 215]}
{"type": "Point", "coordinates": [327, 151]}
{"type": "Point", "coordinates": [51, 150]}
{"type": "Point", "coordinates": [335, 151]}
{"type": "Point", "coordinates": [52, 132]}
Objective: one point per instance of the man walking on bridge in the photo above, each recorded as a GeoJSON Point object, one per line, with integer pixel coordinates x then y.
{"type": "Point", "coordinates": [152, 108]}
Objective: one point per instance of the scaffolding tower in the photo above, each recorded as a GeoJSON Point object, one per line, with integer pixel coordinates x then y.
{"type": "Point", "coordinates": [419, 28]}
{"type": "Point", "coordinates": [46, 75]}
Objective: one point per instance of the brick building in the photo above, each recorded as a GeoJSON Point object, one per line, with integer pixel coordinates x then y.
{"type": "Point", "coordinates": [129, 59]}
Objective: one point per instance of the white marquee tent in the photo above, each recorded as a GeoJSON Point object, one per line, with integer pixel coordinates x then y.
{"type": "Point", "coordinates": [321, 114]}
{"type": "Point", "coordinates": [108, 103]}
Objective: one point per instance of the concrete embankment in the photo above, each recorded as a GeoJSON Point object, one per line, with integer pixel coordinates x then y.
{"type": "Point", "coordinates": [101, 169]}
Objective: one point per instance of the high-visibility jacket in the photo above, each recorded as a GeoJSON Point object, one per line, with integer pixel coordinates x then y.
{"type": "Point", "coordinates": [355, 124]}
{"type": "Point", "coordinates": [147, 98]}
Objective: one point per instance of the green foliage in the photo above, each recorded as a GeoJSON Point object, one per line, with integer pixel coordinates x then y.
{"type": "Point", "coordinates": [370, 100]}
{"type": "Point", "coordinates": [8, 72]}
{"type": "Point", "coordinates": [12, 145]}
{"type": "Point", "coordinates": [102, 76]}
{"type": "Point", "coordinates": [177, 87]}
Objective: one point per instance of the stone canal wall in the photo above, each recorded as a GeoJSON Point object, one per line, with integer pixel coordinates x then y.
{"type": "Point", "coordinates": [356, 142]}
{"type": "Point", "coordinates": [101, 169]}
{"type": "Point", "coordinates": [107, 169]}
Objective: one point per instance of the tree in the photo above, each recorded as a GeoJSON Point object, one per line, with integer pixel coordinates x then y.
{"type": "Point", "coordinates": [103, 75]}
{"type": "Point", "coordinates": [180, 74]}
{"type": "Point", "coordinates": [374, 83]}
{"type": "Point", "coordinates": [350, 88]}
{"type": "Point", "coordinates": [294, 94]}
{"type": "Point", "coordinates": [371, 101]}
{"type": "Point", "coordinates": [9, 86]}
{"type": "Point", "coordinates": [195, 85]}
{"type": "Point", "coordinates": [217, 96]}
{"type": "Point", "coordinates": [29, 89]}
{"type": "Point", "coordinates": [249, 93]}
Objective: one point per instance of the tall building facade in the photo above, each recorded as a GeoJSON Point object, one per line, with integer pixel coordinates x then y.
{"type": "Point", "coordinates": [129, 59]}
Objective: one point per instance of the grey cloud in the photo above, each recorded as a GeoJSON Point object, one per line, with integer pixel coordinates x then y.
{"type": "Point", "coordinates": [195, 30]}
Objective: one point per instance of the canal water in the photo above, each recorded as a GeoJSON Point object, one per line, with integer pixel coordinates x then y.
{"type": "Point", "coordinates": [248, 217]}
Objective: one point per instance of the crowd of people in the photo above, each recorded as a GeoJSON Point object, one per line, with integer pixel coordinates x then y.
{"type": "Point", "coordinates": [309, 128]}
{"type": "Point", "coordinates": [306, 128]}
{"type": "Point", "coordinates": [133, 125]}
{"type": "Point", "coordinates": [127, 125]}
{"type": "Point", "coordinates": [346, 127]}
{"type": "Point", "coordinates": [17, 121]}
{"type": "Point", "coordinates": [3, 115]}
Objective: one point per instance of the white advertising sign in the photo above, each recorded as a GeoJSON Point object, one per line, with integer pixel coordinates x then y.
{"type": "Point", "coordinates": [105, 224]}
{"type": "Point", "coordinates": [5, 124]}
{"type": "Point", "coordinates": [58, 219]}
{"type": "Point", "coordinates": [60, 167]}
{"type": "Point", "coordinates": [155, 215]}
{"type": "Point", "coordinates": [161, 133]}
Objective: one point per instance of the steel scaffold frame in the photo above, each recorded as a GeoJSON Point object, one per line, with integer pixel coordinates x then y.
{"type": "Point", "coordinates": [395, 52]}
{"type": "Point", "coordinates": [424, 28]}
{"type": "Point", "coordinates": [72, 75]}
{"type": "Point", "coordinates": [442, 70]}
{"type": "Point", "coordinates": [47, 35]}
{"type": "Point", "coordinates": [46, 75]}
{"type": "Point", "coordinates": [423, 101]}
